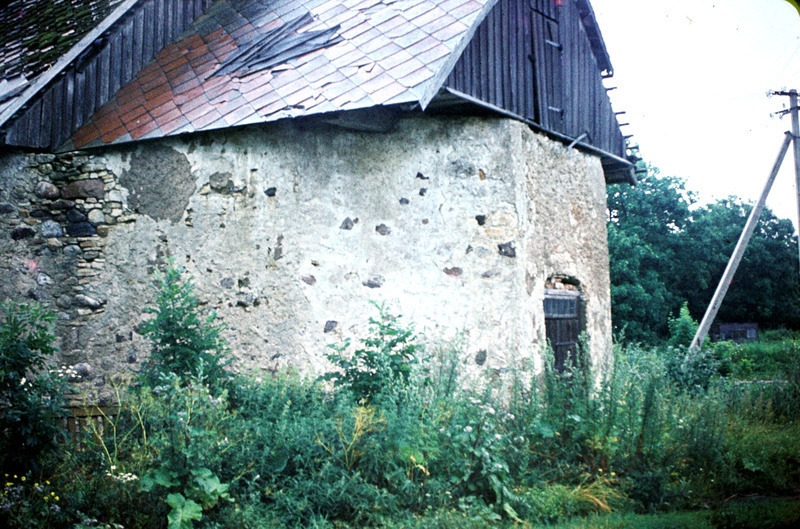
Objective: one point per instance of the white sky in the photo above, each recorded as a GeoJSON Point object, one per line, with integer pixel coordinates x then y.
{"type": "Point", "coordinates": [692, 77]}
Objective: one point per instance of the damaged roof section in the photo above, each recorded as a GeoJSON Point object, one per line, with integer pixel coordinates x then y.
{"type": "Point", "coordinates": [278, 46]}
{"type": "Point", "coordinates": [248, 62]}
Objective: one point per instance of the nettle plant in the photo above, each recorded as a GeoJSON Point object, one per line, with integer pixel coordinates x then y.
{"type": "Point", "coordinates": [184, 341]}
{"type": "Point", "coordinates": [386, 357]}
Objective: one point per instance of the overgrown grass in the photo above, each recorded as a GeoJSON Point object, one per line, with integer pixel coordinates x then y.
{"type": "Point", "coordinates": [396, 438]}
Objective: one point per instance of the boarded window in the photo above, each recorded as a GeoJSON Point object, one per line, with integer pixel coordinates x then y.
{"type": "Point", "coordinates": [563, 325]}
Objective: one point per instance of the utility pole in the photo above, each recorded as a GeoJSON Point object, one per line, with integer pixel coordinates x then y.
{"type": "Point", "coordinates": [752, 220]}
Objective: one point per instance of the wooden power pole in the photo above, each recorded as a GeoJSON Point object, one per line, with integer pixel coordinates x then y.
{"type": "Point", "coordinates": [752, 220]}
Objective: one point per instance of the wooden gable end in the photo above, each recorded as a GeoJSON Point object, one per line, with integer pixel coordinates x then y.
{"type": "Point", "coordinates": [99, 71]}
{"type": "Point", "coordinates": [534, 60]}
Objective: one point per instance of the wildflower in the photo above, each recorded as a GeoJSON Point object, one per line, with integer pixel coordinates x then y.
{"type": "Point", "coordinates": [22, 383]}
{"type": "Point", "coordinates": [467, 429]}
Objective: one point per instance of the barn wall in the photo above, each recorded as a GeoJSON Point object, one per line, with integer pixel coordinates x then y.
{"type": "Point", "coordinates": [290, 232]}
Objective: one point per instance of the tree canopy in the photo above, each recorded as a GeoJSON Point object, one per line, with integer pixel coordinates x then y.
{"type": "Point", "coordinates": [667, 249]}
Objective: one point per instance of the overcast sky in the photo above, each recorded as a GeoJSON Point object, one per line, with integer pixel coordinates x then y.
{"type": "Point", "coordinates": [692, 77]}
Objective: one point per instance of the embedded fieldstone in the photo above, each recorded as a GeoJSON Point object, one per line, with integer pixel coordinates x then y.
{"type": "Point", "coordinates": [347, 224]}
{"type": "Point", "coordinates": [43, 279]}
{"type": "Point", "coordinates": [40, 214]}
{"type": "Point", "coordinates": [454, 271]}
{"type": "Point", "coordinates": [270, 191]}
{"type": "Point", "coordinates": [81, 229]}
{"type": "Point", "coordinates": [82, 371]}
{"type": "Point", "coordinates": [246, 299]}
{"type": "Point", "coordinates": [6, 208]}
{"type": "Point", "coordinates": [221, 182]}
{"type": "Point", "coordinates": [309, 279]}
{"type": "Point", "coordinates": [374, 282]}
{"type": "Point", "coordinates": [422, 176]}
{"type": "Point", "coordinates": [75, 215]}
{"type": "Point", "coordinates": [507, 249]}
{"type": "Point", "coordinates": [23, 232]}
{"type": "Point", "coordinates": [481, 219]}
{"type": "Point", "coordinates": [480, 357]}
{"type": "Point", "coordinates": [132, 356]}
{"type": "Point", "coordinates": [383, 229]}
{"type": "Point", "coordinates": [51, 229]}
{"type": "Point", "coordinates": [404, 201]}
{"type": "Point", "coordinates": [490, 273]}
{"type": "Point", "coordinates": [62, 205]}
{"type": "Point", "coordinates": [89, 188]}
{"type": "Point", "coordinates": [330, 325]}
{"type": "Point", "coordinates": [88, 302]}
{"type": "Point", "coordinates": [226, 282]}
{"type": "Point", "coordinates": [422, 191]}
{"type": "Point", "coordinates": [46, 190]}
{"type": "Point", "coordinates": [72, 250]}
{"type": "Point", "coordinates": [64, 302]}
{"type": "Point", "coordinates": [96, 216]}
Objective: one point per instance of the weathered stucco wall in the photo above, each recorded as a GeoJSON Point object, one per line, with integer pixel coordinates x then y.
{"type": "Point", "coordinates": [291, 231]}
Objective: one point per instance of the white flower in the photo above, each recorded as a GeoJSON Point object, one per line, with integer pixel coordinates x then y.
{"type": "Point", "coordinates": [468, 429]}
{"type": "Point", "coordinates": [22, 382]}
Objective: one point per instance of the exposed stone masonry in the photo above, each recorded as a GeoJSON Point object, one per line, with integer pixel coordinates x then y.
{"type": "Point", "coordinates": [65, 208]}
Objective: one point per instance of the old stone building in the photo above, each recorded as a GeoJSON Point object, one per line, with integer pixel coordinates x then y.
{"type": "Point", "coordinates": [305, 159]}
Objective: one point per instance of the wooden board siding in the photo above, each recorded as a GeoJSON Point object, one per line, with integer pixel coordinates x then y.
{"type": "Point", "coordinates": [563, 326]}
{"type": "Point", "coordinates": [126, 48]}
{"type": "Point", "coordinates": [535, 60]}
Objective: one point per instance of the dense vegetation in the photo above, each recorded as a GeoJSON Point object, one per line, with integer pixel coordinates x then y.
{"type": "Point", "coordinates": [394, 438]}
{"type": "Point", "coordinates": [666, 249]}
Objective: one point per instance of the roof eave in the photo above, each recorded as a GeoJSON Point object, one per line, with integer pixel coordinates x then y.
{"type": "Point", "coordinates": [595, 37]}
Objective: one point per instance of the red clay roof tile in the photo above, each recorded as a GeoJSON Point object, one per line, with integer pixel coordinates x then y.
{"type": "Point", "coordinates": [389, 52]}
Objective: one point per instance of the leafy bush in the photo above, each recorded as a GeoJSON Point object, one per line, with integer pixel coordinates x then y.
{"type": "Point", "coordinates": [182, 341]}
{"type": "Point", "coordinates": [682, 328]}
{"type": "Point", "coordinates": [31, 396]}
{"type": "Point", "coordinates": [387, 356]}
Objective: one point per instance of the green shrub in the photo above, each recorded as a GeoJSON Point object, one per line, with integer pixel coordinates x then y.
{"type": "Point", "coordinates": [31, 395]}
{"type": "Point", "coordinates": [183, 342]}
{"type": "Point", "coordinates": [387, 356]}
{"type": "Point", "coordinates": [682, 328]}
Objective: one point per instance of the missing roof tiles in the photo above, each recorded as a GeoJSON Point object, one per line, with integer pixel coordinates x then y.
{"type": "Point", "coordinates": [277, 46]}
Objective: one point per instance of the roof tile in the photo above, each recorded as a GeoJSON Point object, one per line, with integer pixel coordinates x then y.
{"type": "Point", "coordinates": [390, 51]}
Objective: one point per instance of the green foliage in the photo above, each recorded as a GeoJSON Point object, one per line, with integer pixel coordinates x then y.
{"type": "Point", "coordinates": [188, 429]}
{"type": "Point", "coordinates": [386, 357]}
{"type": "Point", "coordinates": [433, 446]}
{"type": "Point", "coordinates": [31, 396]}
{"type": "Point", "coordinates": [682, 328]}
{"type": "Point", "coordinates": [182, 341]}
{"type": "Point", "coordinates": [664, 250]}
{"type": "Point", "coordinates": [748, 514]}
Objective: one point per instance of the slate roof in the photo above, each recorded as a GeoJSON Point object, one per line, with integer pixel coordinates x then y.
{"type": "Point", "coordinates": [59, 25]}
{"type": "Point", "coordinates": [377, 52]}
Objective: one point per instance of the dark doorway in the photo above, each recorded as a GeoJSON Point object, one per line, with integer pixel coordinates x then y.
{"type": "Point", "coordinates": [563, 325]}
